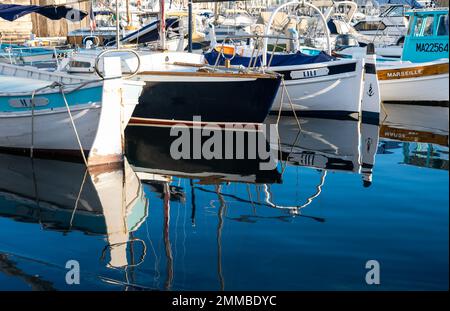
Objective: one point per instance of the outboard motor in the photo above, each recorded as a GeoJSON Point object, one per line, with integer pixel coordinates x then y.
{"type": "Point", "coordinates": [295, 44]}
{"type": "Point", "coordinates": [345, 41]}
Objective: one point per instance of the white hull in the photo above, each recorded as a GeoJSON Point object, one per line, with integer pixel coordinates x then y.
{"type": "Point", "coordinates": [99, 125]}
{"type": "Point", "coordinates": [433, 88]}
{"type": "Point", "coordinates": [334, 94]}
{"type": "Point", "coordinates": [421, 82]}
{"type": "Point", "coordinates": [52, 129]}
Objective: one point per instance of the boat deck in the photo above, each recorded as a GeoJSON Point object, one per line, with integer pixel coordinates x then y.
{"type": "Point", "coordinates": [19, 84]}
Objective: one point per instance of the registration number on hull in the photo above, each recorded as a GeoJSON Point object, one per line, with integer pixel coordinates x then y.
{"type": "Point", "coordinates": [28, 102]}
{"type": "Point", "coordinates": [309, 73]}
{"type": "Point", "coordinates": [431, 47]}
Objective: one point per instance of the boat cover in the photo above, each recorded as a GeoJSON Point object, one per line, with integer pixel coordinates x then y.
{"type": "Point", "coordinates": [149, 32]}
{"type": "Point", "coordinates": [278, 60]}
{"type": "Point", "coordinates": [12, 12]}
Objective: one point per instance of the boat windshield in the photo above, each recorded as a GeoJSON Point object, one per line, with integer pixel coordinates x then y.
{"type": "Point", "coordinates": [394, 11]}
{"type": "Point", "coordinates": [424, 26]}
{"type": "Point", "coordinates": [442, 28]}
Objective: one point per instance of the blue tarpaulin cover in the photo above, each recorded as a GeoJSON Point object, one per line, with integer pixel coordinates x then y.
{"type": "Point", "coordinates": [12, 12]}
{"type": "Point", "coordinates": [278, 60]}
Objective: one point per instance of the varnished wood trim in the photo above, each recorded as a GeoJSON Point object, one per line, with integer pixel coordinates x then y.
{"type": "Point", "coordinates": [413, 135]}
{"type": "Point", "coordinates": [412, 72]}
{"type": "Point", "coordinates": [209, 74]}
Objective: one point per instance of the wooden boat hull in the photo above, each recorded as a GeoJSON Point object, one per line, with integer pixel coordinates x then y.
{"type": "Point", "coordinates": [98, 110]}
{"type": "Point", "coordinates": [326, 90]}
{"type": "Point", "coordinates": [178, 97]}
{"type": "Point", "coordinates": [415, 83]}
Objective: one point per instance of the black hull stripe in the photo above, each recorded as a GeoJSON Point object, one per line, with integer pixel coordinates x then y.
{"type": "Point", "coordinates": [47, 154]}
{"type": "Point", "coordinates": [370, 117]}
{"type": "Point", "coordinates": [333, 70]}
{"type": "Point", "coordinates": [370, 68]}
{"type": "Point", "coordinates": [431, 103]}
{"type": "Point", "coordinates": [367, 165]}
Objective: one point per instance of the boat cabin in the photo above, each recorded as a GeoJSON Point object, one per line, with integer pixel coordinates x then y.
{"type": "Point", "coordinates": [427, 37]}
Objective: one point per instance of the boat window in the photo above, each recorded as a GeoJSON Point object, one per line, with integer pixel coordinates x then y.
{"type": "Point", "coordinates": [418, 26]}
{"type": "Point", "coordinates": [442, 29]}
{"type": "Point", "coordinates": [366, 25]}
{"type": "Point", "coordinates": [428, 29]}
{"type": "Point", "coordinates": [396, 11]}
{"type": "Point", "coordinates": [78, 64]}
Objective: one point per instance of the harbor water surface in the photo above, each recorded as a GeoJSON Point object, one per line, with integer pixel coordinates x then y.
{"type": "Point", "coordinates": [312, 223]}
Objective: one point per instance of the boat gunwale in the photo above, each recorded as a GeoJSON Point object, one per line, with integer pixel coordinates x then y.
{"type": "Point", "coordinates": [238, 75]}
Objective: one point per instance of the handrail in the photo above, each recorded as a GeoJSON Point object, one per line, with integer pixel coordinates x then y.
{"type": "Point", "coordinates": [296, 209]}
{"type": "Point", "coordinates": [97, 60]}
{"type": "Point", "coordinates": [297, 3]}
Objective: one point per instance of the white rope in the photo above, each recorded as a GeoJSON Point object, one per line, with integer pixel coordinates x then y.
{"type": "Point", "coordinates": [73, 126]}
{"type": "Point", "coordinates": [78, 199]}
{"type": "Point", "coordinates": [291, 104]}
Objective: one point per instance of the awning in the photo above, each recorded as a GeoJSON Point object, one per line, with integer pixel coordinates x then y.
{"type": "Point", "coordinates": [12, 12]}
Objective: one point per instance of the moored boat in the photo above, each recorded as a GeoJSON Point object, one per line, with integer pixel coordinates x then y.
{"type": "Point", "coordinates": [421, 77]}
{"type": "Point", "coordinates": [47, 114]}
{"type": "Point", "coordinates": [315, 84]}
{"type": "Point", "coordinates": [179, 87]}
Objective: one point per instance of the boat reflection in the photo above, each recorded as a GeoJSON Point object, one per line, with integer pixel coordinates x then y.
{"type": "Point", "coordinates": [215, 199]}
{"type": "Point", "coordinates": [63, 196]}
{"type": "Point", "coordinates": [420, 124]}
{"type": "Point", "coordinates": [422, 133]}
{"type": "Point", "coordinates": [148, 149]}
{"type": "Point", "coordinates": [329, 145]}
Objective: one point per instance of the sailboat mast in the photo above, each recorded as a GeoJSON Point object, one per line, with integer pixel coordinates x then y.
{"type": "Point", "coordinates": [127, 3]}
{"type": "Point", "coordinates": [162, 24]}
{"type": "Point", "coordinates": [117, 25]}
{"type": "Point", "coordinates": [190, 26]}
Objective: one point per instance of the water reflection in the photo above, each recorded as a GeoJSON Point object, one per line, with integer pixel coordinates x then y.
{"type": "Point", "coordinates": [421, 133]}
{"type": "Point", "coordinates": [329, 145]}
{"type": "Point", "coordinates": [65, 197]}
{"type": "Point", "coordinates": [161, 223]}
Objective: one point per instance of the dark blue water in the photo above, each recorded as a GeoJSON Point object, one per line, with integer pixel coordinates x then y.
{"type": "Point", "coordinates": [344, 193]}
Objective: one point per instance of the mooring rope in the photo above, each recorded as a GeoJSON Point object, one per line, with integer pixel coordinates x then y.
{"type": "Point", "coordinates": [78, 199]}
{"type": "Point", "coordinates": [73, 126]}
{"type": "Point", "coordinates": [61, 86]}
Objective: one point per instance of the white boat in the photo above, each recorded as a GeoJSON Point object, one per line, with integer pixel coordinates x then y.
{"type": "Point", "coordinates": [414, 82]}
{"type": "Point", "coordinates": [392, 23]}
{"type": "Point", "coordinates": [421, 77]}
{"type": "Point", "coordinates": [317, 84]}
{"type": "Point", "coordinates": [48, 114]}
{"type": "Point", "coordinates": [179, 87]}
